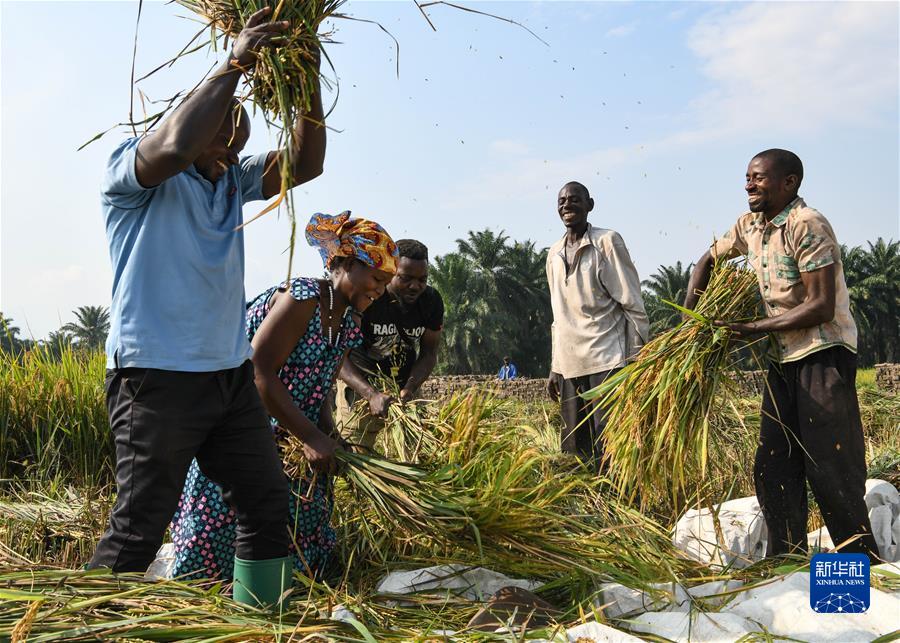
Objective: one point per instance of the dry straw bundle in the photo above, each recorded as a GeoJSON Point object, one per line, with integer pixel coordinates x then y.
{"type": "Point", "coordinates": [283, 80]}
{"type": "Point", "coordinates": [660, 406]}
{"type": "Point", "coordinates": [284, 77]}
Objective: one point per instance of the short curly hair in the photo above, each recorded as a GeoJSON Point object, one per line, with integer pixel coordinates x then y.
{"type": "Point", "coordinates": [785, 162]}
{"type": "Point", "coordinates": [412, 249]}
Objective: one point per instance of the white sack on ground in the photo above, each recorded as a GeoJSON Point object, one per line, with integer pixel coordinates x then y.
{"type": "Point", "coordinates": [696, 627]}
{"type": "Point", "coordinates": [881, 492]}
{"type": "Point", "coordinates": [710, 595]}
{"type": "Point", "coordinates": [782, 607]}
{"type": "Point", "coordinates": [340, 613]}
{"type": "Point", "coordinates": [472, 583]}
{"type": "Point", "coordinates": [819, 540]}
{"type": "Point", "coordinates": [743, 534]}
{"type": "Point", "coordinates": [594, 632]}
{"type": "Point", "coordinates": [618, 601]}
{"type": "Point", "coordinates": [162, 565]}
{"type": "Point", "coordinates": [883, 503]}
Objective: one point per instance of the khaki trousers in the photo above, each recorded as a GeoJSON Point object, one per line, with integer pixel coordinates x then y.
{"type": "Point", "coordinates": [356, 425]}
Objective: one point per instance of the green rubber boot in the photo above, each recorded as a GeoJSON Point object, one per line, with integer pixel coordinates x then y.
{"type": "Point", "coordinates": [261, 583]}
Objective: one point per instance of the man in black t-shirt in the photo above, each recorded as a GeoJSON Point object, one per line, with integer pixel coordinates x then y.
{"type": "Point", "coordinates": [401, 334]}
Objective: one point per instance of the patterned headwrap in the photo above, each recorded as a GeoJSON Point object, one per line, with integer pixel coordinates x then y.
{"type": "Point", "coordinates": [341, 236]}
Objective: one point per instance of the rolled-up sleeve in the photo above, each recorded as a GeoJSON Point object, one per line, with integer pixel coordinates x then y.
{"type": "Point", "coordinates": [813, 242]}
{"type": "Point", "coordinates": [620, 278]}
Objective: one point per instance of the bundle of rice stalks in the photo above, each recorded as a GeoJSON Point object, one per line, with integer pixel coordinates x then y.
{"type": "Point", "coordinates": [284, 78]}
{"type": "Point", "coordinates": [408, 434]}
{"type": "Point", "coordinates": [406, 437]}
{"type": "Point", "coordinates": [659, 407]}
{"type": "Point", "coordinates": [412, 500]}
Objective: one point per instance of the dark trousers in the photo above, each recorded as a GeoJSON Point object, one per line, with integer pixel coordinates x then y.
{"type": "Point", "coordinates": [584, 420]}
{"type": "Point", "coordinates": [161, 420]}
{"type": "Point", "coordinates": [811, 430]}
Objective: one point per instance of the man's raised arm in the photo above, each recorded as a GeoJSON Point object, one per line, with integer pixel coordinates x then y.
{"type": "Point", "coordinates": [306, 153]}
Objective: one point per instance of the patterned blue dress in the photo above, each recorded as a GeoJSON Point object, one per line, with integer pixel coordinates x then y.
{"type": "Point", "coordinates": [203, 529]}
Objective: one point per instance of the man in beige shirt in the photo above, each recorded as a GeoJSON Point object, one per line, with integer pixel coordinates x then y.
{"type": "Point", "coordinates": [599, 322]}
{"type": "Point", "coordinates": [810, 428]}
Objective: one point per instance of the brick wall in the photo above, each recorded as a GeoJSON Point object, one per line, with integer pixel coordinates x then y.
{"type": "Point", "coordinates": [750, 383]}
{"type": "Point", "coordinates": [887, 377]}
{"type": "Point", "coordinates": [525, 389]}
{"type": "Point", "coordinates": [535, 389]}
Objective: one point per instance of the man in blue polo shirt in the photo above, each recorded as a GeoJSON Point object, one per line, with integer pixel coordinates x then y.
{"type": "Point", "coordinates": [179, 381]}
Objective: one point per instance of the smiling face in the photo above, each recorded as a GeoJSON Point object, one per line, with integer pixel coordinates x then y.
{"type": "Point", "coordinates": [573, 205]}
{"type": "Point", "coordinates": [224, 149]}
{"type": "Point", "coordinates": [410, 281]}
{"type": "Point", "coordinates": [768, 189]}
{"type": "Point", "coordinates": [359, 283]}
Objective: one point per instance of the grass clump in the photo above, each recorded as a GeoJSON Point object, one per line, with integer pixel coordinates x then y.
{"type": "Point", "coordinates": [53, 421]}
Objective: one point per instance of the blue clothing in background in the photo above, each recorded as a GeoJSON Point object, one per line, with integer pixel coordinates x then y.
{"type": "Point", "coordinates": [178, 265]}
{"type": "Point", "coordinates": [508, 372]}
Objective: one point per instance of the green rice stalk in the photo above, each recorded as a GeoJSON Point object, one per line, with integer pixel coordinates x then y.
{"type": "Point", "coordinates": [53, 421]}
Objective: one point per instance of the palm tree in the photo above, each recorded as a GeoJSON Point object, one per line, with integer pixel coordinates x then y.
{"type": "Point", "coordinates": [855, 270]}
{"type": "Point", "coordinates": [90, 328]}
{"type": "Point", "coordinates": [9, 335]}
{"type": "Point", "coordinates": [496, 303]}
{"type": "Point", "coordinates": [57, 342]}
{"type": "Point", "coordinates": [453, 277]}
{"type": "Point", "coordinates": [485, 249]}
{"type": "Point", "coordinates": [523, 292]}
{"type": "Point", "coordinates": [670, 283]}
{"type": "Point", "coordinates": [873, 282]}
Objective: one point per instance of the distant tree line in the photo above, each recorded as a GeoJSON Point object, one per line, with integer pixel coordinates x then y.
{"type": "Point", "coordinates": [498, 304]}
{"type": "Point", "coordinates": [88, 331]}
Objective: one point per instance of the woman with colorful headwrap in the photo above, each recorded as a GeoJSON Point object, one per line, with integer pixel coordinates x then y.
{"type": "Point", "coordinates": [300, 333]}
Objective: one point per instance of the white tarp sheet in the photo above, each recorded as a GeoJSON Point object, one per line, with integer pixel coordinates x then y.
{"type": "Point", "coordinates": [742, 535]}
{"type": "Point", "coordinates": [740, 540]}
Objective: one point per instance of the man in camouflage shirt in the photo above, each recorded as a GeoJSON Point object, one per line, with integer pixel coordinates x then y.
{"type": "Point", "coordinates": [810, 428]}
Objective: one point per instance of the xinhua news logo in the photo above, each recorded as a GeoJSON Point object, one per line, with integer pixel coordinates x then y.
{"type": "Point", "coordinates": [839, 583]}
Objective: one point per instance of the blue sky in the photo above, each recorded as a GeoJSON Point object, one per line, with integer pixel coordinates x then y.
{"type": "Point", "coordinates": [655, 106]}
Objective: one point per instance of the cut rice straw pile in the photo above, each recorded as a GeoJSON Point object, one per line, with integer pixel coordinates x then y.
{"type": "Point", "coordinates": [39, 605]}
{"type": "Point", "coordinates": [660, 406]}
{"type": "Point", "coordinates": [485, 493]}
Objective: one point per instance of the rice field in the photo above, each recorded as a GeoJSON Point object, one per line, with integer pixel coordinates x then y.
{"type": "Point", "coordinates": [486, 487]}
